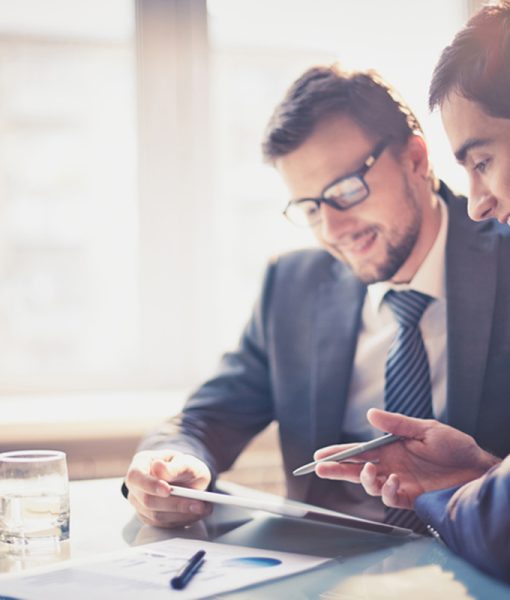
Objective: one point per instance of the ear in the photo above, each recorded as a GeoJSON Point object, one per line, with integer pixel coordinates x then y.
{"type": "Point", "coordinates": [417, 156]}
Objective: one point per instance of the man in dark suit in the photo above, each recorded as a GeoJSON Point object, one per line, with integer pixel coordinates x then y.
{"type": "Point", "coordinates": [437, 470]}
{"type": "Point", "coordinates": [313, 355]}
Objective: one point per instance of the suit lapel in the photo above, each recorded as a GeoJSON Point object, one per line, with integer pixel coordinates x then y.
{"type": "Point", "coordinates": [338, 315]}
{"type": "Point", "coordinates": [471, 272]}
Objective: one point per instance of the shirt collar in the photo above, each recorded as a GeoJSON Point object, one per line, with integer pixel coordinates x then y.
{"type": "Point", "coordinates": [430, 276]}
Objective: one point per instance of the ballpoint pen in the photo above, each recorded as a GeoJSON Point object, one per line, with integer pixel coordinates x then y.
{"type": "Point", "coordinates": [388, 438]}
{"type": "Point", "coordinates": [183, 577]}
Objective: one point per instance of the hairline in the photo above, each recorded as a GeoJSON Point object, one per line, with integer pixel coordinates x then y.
{"type": "Point", "coordinates": [395, 145]}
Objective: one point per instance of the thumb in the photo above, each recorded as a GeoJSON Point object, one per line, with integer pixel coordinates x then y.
{"type": "Point", "coordinates": [398, 424]}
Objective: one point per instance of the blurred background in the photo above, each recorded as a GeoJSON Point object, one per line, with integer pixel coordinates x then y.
{"type": "Point", "coordinates": [136, 216]}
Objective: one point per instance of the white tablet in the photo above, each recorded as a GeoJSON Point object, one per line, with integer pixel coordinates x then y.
{"type": "Point", "coordinates": [293, 509]}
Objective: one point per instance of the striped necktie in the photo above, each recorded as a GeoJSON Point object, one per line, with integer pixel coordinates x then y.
{"type": "Point", "coordinates": [407, 388]}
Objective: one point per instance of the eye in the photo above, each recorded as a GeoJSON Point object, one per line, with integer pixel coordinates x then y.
{"type": "Point", "coordinates": [310, 209]}
{"type": "Point", "coordinates": [482, 165]}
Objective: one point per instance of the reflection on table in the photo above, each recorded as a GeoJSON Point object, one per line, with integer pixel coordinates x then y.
{"type": "Point", "coordinates": [365, 565]}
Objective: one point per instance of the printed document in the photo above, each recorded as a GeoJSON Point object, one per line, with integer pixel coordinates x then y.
{"type": "Point", "coordinates": [145, 572]}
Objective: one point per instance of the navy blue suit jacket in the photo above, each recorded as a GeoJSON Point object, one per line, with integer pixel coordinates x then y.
{"type": "Point", "coordinates": [474, 519]}
{"type": "Point", "coordinates": [294, 360]}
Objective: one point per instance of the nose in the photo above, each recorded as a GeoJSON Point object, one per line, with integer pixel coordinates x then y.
{"type": "Point", "coordinates": [481, 203]}
{"type": "Point", "coordinates": [482, 208]}
{"type": "Point", "coordinates": [332, 225]}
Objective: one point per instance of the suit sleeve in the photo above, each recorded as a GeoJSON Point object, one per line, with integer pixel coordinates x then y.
{"type": "Point", "coordinates": [221, 416]}
{"type": "Point", "coordinates": [474, 519]}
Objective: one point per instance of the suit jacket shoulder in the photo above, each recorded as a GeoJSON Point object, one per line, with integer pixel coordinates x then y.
{"type": "Point", "coordinates": [473, 519]}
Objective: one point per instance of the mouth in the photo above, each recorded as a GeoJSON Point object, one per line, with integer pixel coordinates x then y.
{"type": "Point", "coordinates": [358, 243]}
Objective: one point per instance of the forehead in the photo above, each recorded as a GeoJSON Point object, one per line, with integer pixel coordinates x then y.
{"type": "Point", "coordinates": [336, 147]}
{"type": "Point", "coordinates": [464, 121]}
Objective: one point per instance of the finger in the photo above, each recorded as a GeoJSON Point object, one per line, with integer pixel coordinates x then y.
{"type": "Point", "coordinates": [371, 480]}
{"type": "Point", "coordinates": [177, 513]}
{"type": "Point", "coordinates": [390, 492]}
{"type": "Point", "coordinates": [172, 470]}
{"type": "Point", "coordinates": [398, 424]}
{"type": "Point", "coordinates": [394, 495]}
{"type": "Point", "coordinates": [157, 504]}
{"type": "Point", "coordinates": [181, 469]}
{"type": "Point", "coordinates": [143, 460]}
{"type": "Point", "coordinates": [329, 450]}
{"type": "Point", "coordinates": [340, 471]}
{"type": "Point", "coordinates": [139, 472]}
{"type": "Point", "coordinates": [137, 479]}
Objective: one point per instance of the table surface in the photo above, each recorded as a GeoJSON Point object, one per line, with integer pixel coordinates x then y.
{"type": "Point", "coordinates": [366, 565]}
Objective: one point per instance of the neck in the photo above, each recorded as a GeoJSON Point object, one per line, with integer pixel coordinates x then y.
{"type": "Point", "coordinates": [431, 222]}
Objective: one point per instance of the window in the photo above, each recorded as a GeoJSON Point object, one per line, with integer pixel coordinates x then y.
{"type": "Point", "coordinates": [69, 303]}
{"type": "Point", "coordinates": [137, 216]}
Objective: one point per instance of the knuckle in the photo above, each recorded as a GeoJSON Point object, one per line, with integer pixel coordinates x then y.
{"type": "Point", "coordinates": [364, 480]}
{"type": "Point", "coordinates": [152, 516]}
{"type": "Point", "coordinates": [145, 520]}
{"type": "Point", "coordinates": [182, 506]}
{"type": "Point", "coordinates": [130, 475]}
{"type": "Point", "coordinates": [147, 500]}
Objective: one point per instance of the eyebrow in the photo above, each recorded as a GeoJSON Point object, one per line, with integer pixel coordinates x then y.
{"type": "Point", "coordinates": [468, 145]}
{"type": "Point", "coordinates": [367, 163]}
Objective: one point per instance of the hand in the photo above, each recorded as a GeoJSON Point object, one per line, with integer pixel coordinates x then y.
{"type": "Point", "coordinates": [148, 479]}
{"type": "Point", "coordinates": [431, 456]}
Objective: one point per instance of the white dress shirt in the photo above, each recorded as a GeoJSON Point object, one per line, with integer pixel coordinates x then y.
{"type": "Point", "coordinates": [378, 329]}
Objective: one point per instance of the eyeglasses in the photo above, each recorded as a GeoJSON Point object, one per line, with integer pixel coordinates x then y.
{"type": "Point", "coordinates": [342, 194]}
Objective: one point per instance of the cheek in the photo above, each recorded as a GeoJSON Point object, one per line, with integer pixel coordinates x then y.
{"type": "Point", "coordinates": [506, 185]}
{"type": "Point", "coordinates": [500, 187]}
{"type": "Point", "coordinates": [317, 232]}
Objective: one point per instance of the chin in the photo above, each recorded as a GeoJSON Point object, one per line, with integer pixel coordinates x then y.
{"type": "Point", "coordinates": [375, 273]}
{"type": "Point", "coordinates": [367, 275]}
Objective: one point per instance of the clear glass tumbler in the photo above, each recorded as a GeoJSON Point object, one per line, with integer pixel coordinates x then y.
{"type": "Point", "coordinates": [34, 497]}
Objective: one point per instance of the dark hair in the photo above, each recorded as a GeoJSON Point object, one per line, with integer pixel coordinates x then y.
{"type": "Point", "coordinates": [477, 63]}
{"type": "Point", "coordinates": [324, 91]}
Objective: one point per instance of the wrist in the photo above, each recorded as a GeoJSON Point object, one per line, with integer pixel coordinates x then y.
{"type": "Point", "coordinates": [483, 463]}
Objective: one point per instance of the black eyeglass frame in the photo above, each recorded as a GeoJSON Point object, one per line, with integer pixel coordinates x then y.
{"type": "Point", "coordinates": [359, 174]}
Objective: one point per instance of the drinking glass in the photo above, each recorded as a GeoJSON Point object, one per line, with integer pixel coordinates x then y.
{"type": "Point", "coordinates": [34, 498]}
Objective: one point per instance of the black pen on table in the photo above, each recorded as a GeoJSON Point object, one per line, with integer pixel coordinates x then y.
{"type": "Point", "coordinates": [187, 571]}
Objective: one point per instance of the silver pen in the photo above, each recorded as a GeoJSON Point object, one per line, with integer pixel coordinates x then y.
{"type": "Point", "coordinates": [388, 438]}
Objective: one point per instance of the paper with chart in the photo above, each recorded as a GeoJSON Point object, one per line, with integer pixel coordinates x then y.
{"type": "Point", "coordinates": [145, 571]}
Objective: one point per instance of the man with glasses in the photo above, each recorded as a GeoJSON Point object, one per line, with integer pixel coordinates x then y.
{"type": "Point", "coordinates": [397, 309]}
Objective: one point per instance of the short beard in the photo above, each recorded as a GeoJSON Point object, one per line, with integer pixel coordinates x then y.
{"type": "Point", "coordinates": [399, 252]}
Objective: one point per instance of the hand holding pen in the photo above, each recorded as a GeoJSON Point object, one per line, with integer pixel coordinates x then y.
{"type": "Point", "coordinates": [345, 453]}
{"type": "Point", "coordinates": [429, 456]}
